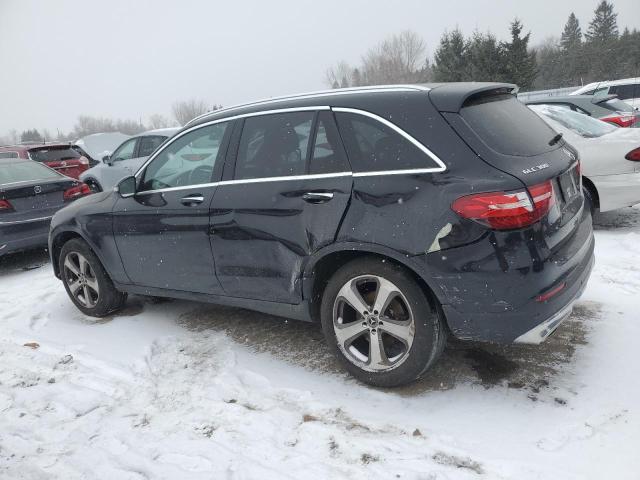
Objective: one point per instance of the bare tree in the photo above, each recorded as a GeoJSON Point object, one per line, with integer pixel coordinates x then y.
{"type": "Point", "coordinates": [188, 110]}
{"type": "Point", "coordinates": [158, 120]}
{"type": "Point", "coordinates": [400, 58]}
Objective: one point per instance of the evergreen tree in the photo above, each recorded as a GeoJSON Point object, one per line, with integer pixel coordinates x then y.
{"type": "Point", "coordinates": [572, 34]}
{"type": "Point", "coordinates": [604, 27]}
{"type": "Point", "coordinates": [31, 136]}
{"type": "Point", "coordinates": [485, 58]}
{"type": "Point", "coordinates": [519, 65]}
{"type": "Point", "coordinates": [450, 60]}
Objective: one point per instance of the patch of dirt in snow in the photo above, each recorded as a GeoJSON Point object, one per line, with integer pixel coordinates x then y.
{"type": "Point", "coordinates": [624, 218]}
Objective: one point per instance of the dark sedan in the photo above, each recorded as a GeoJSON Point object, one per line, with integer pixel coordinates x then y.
{"type": "Point", "coordinates": [30, 193]}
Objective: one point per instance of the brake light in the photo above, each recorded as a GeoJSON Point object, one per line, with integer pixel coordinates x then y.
{"type": "Point", "coordinates": [507, 210]}
{"type": "Point", "coordinates": [621, 120]}
{"type": "Point", "coordinates": [83, 161]}
{"type": "Point", "coordinates": [78, 191]}
{"type": "Point", "coordinates": [633, 155]}
{"type": "Point", "coordinates": [5, 206]}
{"type": "Point", "coordinates": [551, 293]}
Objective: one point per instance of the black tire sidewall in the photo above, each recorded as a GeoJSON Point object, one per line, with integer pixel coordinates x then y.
{"type": "Point", "coordinates": [429, 332]}
{"type": "Point", "coordinates": [109, 299]}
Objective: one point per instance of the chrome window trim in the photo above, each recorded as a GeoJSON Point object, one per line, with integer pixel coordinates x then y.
{"type": "Point", "coordinates": [317, 94]}
{"type": "Point", "coordinates": [440, 168]}
{"type": "Point", "coordinates": [30, 220]}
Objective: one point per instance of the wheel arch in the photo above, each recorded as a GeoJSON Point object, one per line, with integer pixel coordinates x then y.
{"type": "Point", "coordinates": [590, 186]}
{"type": "Point", "coordinates": [319, 270]}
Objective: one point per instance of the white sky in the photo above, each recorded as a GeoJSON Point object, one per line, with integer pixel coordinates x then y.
{"type": "Point", "coordinates": [129, 59]}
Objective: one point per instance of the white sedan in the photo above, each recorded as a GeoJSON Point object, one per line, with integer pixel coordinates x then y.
{"type": "Point", "coordinates": [609, 156]}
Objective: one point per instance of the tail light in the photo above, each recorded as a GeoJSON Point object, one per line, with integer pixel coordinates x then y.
{"type": "Point", "coordinates": [83, 161]}
{"type": "Point", "coordinates": [507, 210]}
{"type": "Point", "coordinates": [621, 120]}
{"type": "Point", "coordinates": [5, 206]}
{"type": "Point", "coordinates": [78, 191]}
{"type": "Point", "coordinates": [633, 155]}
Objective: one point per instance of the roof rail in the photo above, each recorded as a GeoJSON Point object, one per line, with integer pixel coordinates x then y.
{"type": "Point", "coordinates": [319, 93]}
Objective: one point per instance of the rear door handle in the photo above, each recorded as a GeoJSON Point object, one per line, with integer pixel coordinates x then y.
{"type": "Point", "coordinates": [192, 199]}
{"type": "Point", "coordinates": [317, 197]}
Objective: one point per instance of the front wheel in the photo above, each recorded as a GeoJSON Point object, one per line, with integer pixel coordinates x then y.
{"type": "Point", "coordinates": [86, 281]}
{"type": "Point", "coordinates": [379, 322]}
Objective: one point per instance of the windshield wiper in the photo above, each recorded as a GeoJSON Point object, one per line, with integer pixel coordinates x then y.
{"type": "Point", "coordinates": [555, 140]}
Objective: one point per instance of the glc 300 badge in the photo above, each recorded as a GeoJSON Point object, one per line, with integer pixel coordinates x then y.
{"type": "Point", "coordinates": [542, 166]}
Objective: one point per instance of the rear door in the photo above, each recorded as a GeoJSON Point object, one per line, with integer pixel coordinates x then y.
{"type": "Point", "coordinates": [162, 232]}
{"type": "Point", "coordinates": [285, 192]}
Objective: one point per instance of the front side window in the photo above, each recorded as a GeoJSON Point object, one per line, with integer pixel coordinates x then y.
{"type": "Point", "coordinates": [274, 145]}
{"type": "Point", "coordinates": [373, 146]}
{"type": "Point", "coordinates": [147, 145]}
{"type": "Point", "coordinates": [189, 160]}
{"type": "Point", "coordinates": [124, 151]}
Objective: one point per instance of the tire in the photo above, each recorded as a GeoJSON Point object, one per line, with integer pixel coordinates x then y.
{"type": "Point", "coordinates": [86, 281]}
{"type": "Point", "coordinates": [589, 201]}
{"type": "Point", "coordinates": [94, 186]}
{"type": "Point", "coordinates": [404, 355]}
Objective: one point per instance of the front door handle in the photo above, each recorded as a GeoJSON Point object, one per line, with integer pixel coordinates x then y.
{"type": "Point", "coordinates": [192, 200]}
{"type": "Point", "coordinates": [317, 197]}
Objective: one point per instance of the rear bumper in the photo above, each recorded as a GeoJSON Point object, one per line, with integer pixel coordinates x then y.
{"type": "Point", "coordinates": [490, 290]}
{"type": "Point", "coordinates": [617, 191]}
{"type": "Point", "coordinates": [24, 235]}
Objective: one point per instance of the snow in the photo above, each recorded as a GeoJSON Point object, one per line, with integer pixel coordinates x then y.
{"type": "Point", "coordinates": [172, 389]}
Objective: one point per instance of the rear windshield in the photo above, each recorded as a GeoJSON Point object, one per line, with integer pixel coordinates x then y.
{"type": "Point", "coordinates": [507, 126]}
{"type": "Point", "coordinates": [616, 105]}
{"type": "Point", "coordinates": [24, 172]}
{"type": "Point", "coordinates": [583, 125]}
{"type": "Point", "coordinates": [53, 154]}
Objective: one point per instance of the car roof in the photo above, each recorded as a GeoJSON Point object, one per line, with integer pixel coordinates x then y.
{"type": "Point", "coordinates": [159, 131]}
{"type": "Point", "coordinates": [448, 95]}
{"type": "Point", "coordinates": [606, 83]}
{"type": "Point", "coordinates": [29, 146]}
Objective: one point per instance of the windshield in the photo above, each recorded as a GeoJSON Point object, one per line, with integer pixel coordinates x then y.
{"type": "Point", "coordinates": [507, 126]}
{"type": "Point", "coordinates": [25, 172]}
{"type": "Point", "coordinates": [53, 154]}
{"type": "Point", "coordinates": [581, 124]}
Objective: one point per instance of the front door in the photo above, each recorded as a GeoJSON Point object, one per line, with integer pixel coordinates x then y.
{"type": "Point", "coordinates": [289, 189]}
{"type": "Point", "coordinates": [162, 232]}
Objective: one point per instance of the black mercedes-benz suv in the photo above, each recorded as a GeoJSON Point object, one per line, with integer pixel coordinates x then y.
{"type": "Point", "coordinates": [394, 216]}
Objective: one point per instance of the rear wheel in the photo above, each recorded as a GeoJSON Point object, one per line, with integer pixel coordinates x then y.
{"type": "Point", "coordinates": [379, 322]}
{"type": "Point", "coordinates": [86, 281]}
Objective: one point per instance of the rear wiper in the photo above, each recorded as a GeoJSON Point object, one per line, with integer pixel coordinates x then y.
{"type": "Point", "coordinates": [555, 139]}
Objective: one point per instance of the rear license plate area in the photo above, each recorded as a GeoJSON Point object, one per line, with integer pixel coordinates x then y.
{"type": "Point", "coordinates": [569, 185]}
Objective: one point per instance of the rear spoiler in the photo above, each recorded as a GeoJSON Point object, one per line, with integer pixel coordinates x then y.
{"type": "Point", "coordinates": [450, 97]}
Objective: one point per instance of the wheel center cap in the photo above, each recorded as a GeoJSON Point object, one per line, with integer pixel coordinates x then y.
{"type": "Point", "coordinates": [372, 321]}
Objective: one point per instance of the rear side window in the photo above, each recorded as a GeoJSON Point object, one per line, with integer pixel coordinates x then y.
{"type": "Point", "coordinates": [53, 154]}
{"type": "Point", "coordinates": [147, 145]}
{"type": "Point", "coordinates": [373, 146]}
{"type": "Point", "coordinates": [328, 153]}
{"type": "Point", "coordinates": [24, 172]}
{"type": "Point", "coordinates": [274, 145]}
{"type": "Point", "coordinates": [507, 126]}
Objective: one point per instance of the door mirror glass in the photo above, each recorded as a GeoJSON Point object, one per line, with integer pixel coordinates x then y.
{"type": "Point", "coordinates": [107, 159]}
{"type": "Point", "coordinates": [127, 187]}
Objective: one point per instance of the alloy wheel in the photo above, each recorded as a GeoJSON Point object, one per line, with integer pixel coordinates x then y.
{"type": "Point", "coordinates": [373, 323]}
{"type": "Point", "coordinates": [81, 279]}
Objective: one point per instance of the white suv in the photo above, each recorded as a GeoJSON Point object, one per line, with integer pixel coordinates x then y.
{"type": "Point", "coordinates": [125, 160]}
{"type": "Point", "coordinates": [627, 89]}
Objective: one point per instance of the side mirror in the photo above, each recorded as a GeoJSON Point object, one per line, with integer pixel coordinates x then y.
{"type": "Point", "coordinates": [107, 159]}
{"type": "Point", "coordinates": [126, 187]}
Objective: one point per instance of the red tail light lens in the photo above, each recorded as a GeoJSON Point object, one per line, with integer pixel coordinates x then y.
{"type": "Point", "coordinates": [633, 155]}
{"type": "Point", "coordinates": [621, 120]}
{"type": "Point", "coordinates": [78, 191]}
{"type": "Point", "coordinates": [507, 210]}
{"type": "Point", "coordinates": [5, 206]}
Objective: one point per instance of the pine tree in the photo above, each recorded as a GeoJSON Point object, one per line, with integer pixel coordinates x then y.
{"type": "Point", "coordinates": [604, 27]}
{"type": "Point", "coordinates": [485, 58]}
{"type": "Point", "coordinates": [572, 34]}
{"type": "Point", "coordinates": [519, 64]}
{"type": "Point", "coordinates": [451, 58]}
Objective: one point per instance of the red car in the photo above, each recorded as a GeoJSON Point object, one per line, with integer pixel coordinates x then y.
{"type": "Point", "coordinates": [59, 156]}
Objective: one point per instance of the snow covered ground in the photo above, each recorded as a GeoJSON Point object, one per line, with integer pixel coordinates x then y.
{"type": "Point", "coordinates": [183, 390]}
